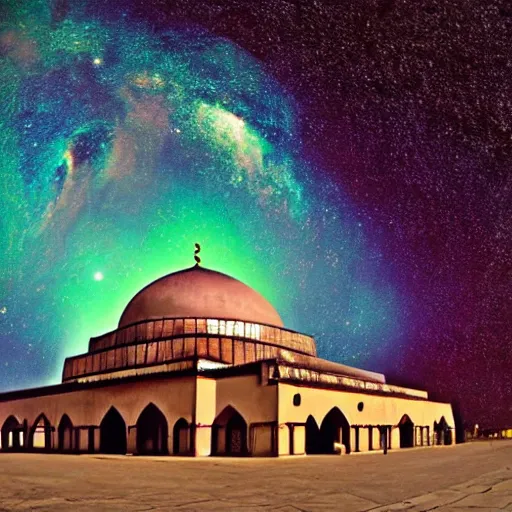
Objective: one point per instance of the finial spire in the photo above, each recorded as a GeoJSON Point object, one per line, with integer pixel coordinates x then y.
{"type": "Point", "coordinates": [196, 252]}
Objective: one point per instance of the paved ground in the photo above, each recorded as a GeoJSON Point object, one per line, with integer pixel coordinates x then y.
{"type": "Point", "coordinates": [471, 477]}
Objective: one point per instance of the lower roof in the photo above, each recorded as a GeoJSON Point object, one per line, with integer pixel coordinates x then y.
{"type": "Point", "coordinates": [275, 370]}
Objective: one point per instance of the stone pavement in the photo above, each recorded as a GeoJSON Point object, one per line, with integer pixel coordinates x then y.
{"type": "Point", "coordinates": [471, 477]}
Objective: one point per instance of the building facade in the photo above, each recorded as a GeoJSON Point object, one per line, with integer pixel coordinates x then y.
{"type": "Point", "coordinates": [201, 365]}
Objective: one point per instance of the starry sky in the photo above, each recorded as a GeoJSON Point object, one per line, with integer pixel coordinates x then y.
{"type": "Point", "coordinates": [349, 160]}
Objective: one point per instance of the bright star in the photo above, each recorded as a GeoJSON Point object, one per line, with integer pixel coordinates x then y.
{"type": "Point", "coordinates": [98, 276]}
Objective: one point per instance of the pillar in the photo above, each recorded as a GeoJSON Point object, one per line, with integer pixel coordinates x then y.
{"type": "Point", "coordinates": [283, 439]}
{"type": "Point", "coordinates": [394, 437]}
{"type": "Point", "coordinates": [203, 417]}
{"type": "Point", "coordinates": [96, 439]}
{"type": "Point", "coordinates": [131, 445]}
{"type": "Point", "coordinates": [203, 440]}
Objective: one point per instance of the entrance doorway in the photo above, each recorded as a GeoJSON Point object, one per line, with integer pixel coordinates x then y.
{"type": "Point", "coordinates": [152, 432]}
{"type": "Point", "coordinates": [113, 433]}
{"type": "Point", "coordinates": [335, 429]}
{"type": "Point", "coordinates": [406, 427]}
{"type": "Point", "coordinates": [229, 434]}
{"type": "Point", "coordinates": [313, 444]}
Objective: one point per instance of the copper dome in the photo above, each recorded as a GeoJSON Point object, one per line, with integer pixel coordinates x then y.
{"type": "Point", "coordinates": [198, 292]}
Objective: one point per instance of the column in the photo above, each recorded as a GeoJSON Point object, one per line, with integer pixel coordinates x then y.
{"type": "Point", "coordinates": [355, 440]}
{"type": "Point", "coordinates": [204, 416]}
{"type": "Point", "coordinates": [131, 445]}
{"type": "Point", "coordinates": [394, 436]}
{"type": "Point", "coordinates": [96, 439]}
{"type": "Point", "coordinates": [283, 440]}
{"type": "Point", "coordinates": [203, 440]}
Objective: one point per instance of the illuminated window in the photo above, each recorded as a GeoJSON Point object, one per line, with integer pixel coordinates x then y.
{"type": "Point", "coordinates": [212, 326]}
{"type": "Point", "coordinates": [233, 328]}
{"type": "Point", "coordinates": [255, 331]}
{"type": "Point", "coordinates": [238, 329]}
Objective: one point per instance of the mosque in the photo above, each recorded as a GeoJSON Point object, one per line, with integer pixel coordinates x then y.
{"type": "Point", "coordinates": [200, 365]}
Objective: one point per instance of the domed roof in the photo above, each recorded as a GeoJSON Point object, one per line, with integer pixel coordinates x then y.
{"type": "Point", "coordinates": [198, 292]}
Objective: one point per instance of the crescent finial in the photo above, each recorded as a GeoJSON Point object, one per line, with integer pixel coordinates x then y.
{"type": "Point", "coordinates": [196, 252]}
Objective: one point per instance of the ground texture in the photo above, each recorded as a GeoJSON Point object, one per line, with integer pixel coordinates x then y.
{"type": "Point", "coordinates": [471, 477]}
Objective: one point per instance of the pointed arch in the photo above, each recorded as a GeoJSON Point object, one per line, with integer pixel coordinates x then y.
{"type": "Point", "coordinates": [181, 437]}
{"type": "Point", "coordinates": [313, 439]}
{"type": "Point", "coordinates": [152, 432]}
{"type": "Point", "coordinates": [40, 435]}
{"type": "Point", "coordinates": [12, 434]}
{"type": "Point", "coordinates": [335, 429]}
{"type": "Point", "coordinates": [229, 435]}
{"type": "Point", "coordinates": [443, 432]}
{"type": "Point", "coordinates": [113, 433]}
{"type": "Point", "coordinates": [406, 427]}
{"type": "Point", "coordinates": [65, 434]}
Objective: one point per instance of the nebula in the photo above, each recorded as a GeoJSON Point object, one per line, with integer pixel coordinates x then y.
{"type": "Point", "coordinates": [121, 148]}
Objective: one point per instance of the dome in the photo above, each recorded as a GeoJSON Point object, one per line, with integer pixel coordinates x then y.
{"type": "Point", "coordinates": [198, 292]}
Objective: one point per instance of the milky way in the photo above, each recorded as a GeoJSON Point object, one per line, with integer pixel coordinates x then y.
{"type": "Point", "coordinates": [350, 162]}
{"type": "Point", "coordinates": [122, 148]}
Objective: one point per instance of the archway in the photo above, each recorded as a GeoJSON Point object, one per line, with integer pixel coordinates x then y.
{"type": "Point", "coordinates": [443, 432]}
{"type": "Point", "coordinates": [65, 434]}
{"type": "Point", "coordinates": [12, 434]}
{"type": "Point", "coordinates": [406, 427]}
{"type": "Point", "coordinates": [229, 434]}
{"type": "Point", "coordinates": [152, 432]}
{"type": "Point", "coordinates": [313, 439]}
{"type": "Point", "coordinates": [40, 437]}
{"type": "Point", "coordinates": [180, 437]}
{"type": "Point", "coordinates": [335, 428]}
{"type": "Point", "coordinates": [113, 433]}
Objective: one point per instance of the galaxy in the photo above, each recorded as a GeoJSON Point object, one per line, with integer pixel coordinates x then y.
{"type": "Point", "coordinates": [351, 163]}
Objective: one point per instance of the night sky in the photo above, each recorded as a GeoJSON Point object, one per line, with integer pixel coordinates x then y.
{"type": "Point", "coordinates": [350, 160]}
